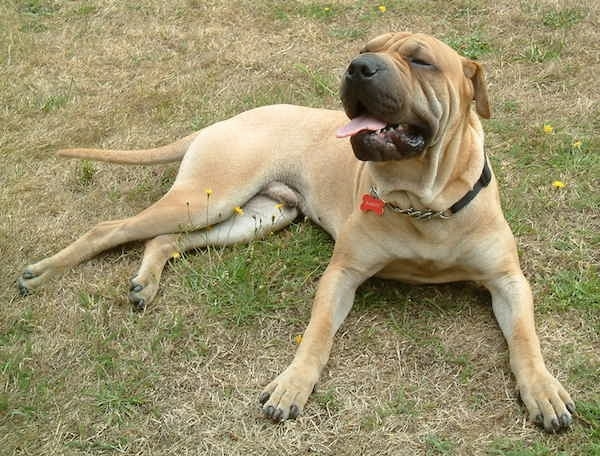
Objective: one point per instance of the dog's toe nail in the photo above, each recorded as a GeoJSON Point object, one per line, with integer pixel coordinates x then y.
{"type": "Point", "coordinates": [139, 306]}
{"type": "Point", "coordinates": [571, 407]}
{"type": "Point", "coordinates": [269, 411]}
{"type": "Point", "coordinates": [28, 275]}
{"type": "Point", "coordinates": [539, 419]}
{"type": "Point", "coordinates": [566, 420]}
{"type": "Point", "coordinates": [294, 412]}
{"type": "Point", "coordinates": [136, 288]}
{"type": "Point", "coordinates": [264, 397]}
{"type": "Point", "coordinates": [278, 415]}
{"type": "Point", "coordinates": [555, 425]}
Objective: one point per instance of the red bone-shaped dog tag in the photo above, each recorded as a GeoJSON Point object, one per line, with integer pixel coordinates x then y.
{"type": "Point", "coordinates": [370, 203]}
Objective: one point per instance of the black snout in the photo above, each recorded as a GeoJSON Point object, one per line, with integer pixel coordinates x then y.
{"type": "Point", "coordinates": [366, 88]}
{"type": "Point", "coordinates": [366, 66]}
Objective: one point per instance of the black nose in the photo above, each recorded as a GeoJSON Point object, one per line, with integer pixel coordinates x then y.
{"type": "Point", "coordinates": [364, 67]}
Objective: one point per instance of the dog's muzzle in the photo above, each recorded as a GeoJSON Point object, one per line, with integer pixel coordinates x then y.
{"type": "Point", "coordinates": [377, 130]}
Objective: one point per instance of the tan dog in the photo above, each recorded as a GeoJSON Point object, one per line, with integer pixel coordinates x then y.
{"type": "Point", "coordinates": [420, 204]}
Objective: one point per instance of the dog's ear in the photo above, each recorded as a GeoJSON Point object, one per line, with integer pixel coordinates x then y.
{"type": "Point", "coordinates": [474, 72]}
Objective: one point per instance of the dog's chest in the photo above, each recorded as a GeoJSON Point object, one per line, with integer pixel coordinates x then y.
{"type": "Point", "coordinates": [423, 271]}
{"type": "Point", "coordinates": [427, 259]}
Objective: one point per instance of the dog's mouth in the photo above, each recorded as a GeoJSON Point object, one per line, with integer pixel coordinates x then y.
{"type": "Point", "coordinates": [373, 139]}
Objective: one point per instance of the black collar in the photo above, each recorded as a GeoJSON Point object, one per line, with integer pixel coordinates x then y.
{"type": "Point", "coordinates": [484, 180]}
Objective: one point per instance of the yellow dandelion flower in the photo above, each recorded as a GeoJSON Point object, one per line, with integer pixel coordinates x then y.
{"type": "Point", "coordinates": [327, 9]}
{"type": "Point", "coordinates": [577, 144]}
{"type": "Point", "coordinates": [238, 210]}
{"type": "Point", "coordinates": [548, 129]}
{"type": "Point", "coordinates": [175, 255]}
{"type": "Point", "coordinates": [382, 8]}
{"type": "Point", "coordinates": [208, 191]}
{"type": "Point", "coordinates": [298, 339]}
{"type": "Point", "coordinates": [558, 184]}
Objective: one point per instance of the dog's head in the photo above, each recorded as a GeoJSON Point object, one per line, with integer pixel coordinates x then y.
{"type": "Point", "coordinates": [404, 92]}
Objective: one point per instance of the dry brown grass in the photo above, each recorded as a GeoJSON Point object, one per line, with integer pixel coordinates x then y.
{"type": "Point", "coordinates": [414, 370]}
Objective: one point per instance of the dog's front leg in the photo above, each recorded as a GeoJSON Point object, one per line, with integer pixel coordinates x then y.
{"type": "Point", "coordinates": [547, 401]}
{"type": "Point", "coordinates": [285, 396]}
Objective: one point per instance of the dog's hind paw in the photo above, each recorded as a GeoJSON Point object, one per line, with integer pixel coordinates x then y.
{"type": "Point", "coordinates": [141, 295]}
{"type": "Point", "coordinates": [28, 281]}
{"type": "Point", "coordinates": [34, 275]}
{"type": "Point", "coordinates": [24, 290]}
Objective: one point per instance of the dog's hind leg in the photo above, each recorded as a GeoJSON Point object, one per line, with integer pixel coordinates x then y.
{"type": "Point", "coordinates": [259, 217]}
{"type": "Point", "coordinates": [181, 209]}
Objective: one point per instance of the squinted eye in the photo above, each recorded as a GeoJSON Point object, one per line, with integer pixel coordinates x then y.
{"type": "Point", "coordinates": [418, 62]}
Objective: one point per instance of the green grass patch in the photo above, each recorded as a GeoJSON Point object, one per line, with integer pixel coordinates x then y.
{"type": "Point", "coordinates": [348, 33]}
{"type": "Point", "coordinates": [85, 10]}
{"type": "Point", "coordinates": [323, 84]}
{"type": "Point", "coordinates": [505, 447]}
{"type": "Point", "coordinates": [118, 401]}
{"type": "Point", "coordinates": [571, 289]}
{"type": "Point", "coordinates": [399, 405]}
{"type": "Point", "coordinates": [18, 330]}
{"type": "Point", "coordinates": [38, 7]}
{"type": "Point", "coordinates": [54, 102]}
{"type": "Point", "coordinates": [17, 371]}
{"type": "Point", "coordinates": [436, 445]}
{"type": "Point", "coordinates": [589, 413]}
{"type": "Point", "coordinates": [328, 400]}
{"type": "Point", "coordinates": [563, 19]}
{"type": "Point", "coordinates": [33, 27]}
{"type": "Point", "coordinates": [473, 46]}
{"type": "Point", "coordinates": [226, 279]}
{"type": "Point", "coordinates": [99, 446]}
{"type": "Point", "coordinates": [86, 172]}
{"type": "Point", "coordinates": [26, 388]}
{"type": "Point", "coordinates": [540, 52]}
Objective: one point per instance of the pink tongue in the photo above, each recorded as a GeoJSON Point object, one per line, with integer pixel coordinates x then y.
{"type": "Point", "coordinates": [359, 124]}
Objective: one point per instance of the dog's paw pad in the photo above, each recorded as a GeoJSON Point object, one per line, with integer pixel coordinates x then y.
{"type": "Point", "coordinates": [24, 290]}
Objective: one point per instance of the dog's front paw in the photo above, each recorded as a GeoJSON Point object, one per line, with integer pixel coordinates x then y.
{"type": "Point", "coordinates": [548, 403]}
{"type": "Point", "coordinates": [286, 396]}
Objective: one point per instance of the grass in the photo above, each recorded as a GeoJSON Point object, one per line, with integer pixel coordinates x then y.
{"type": "Point", "coordinates": [228, 284]}
{"type": "Point", "coordinates": [414, 370]}
{"type": "Point", "coordinates": [473, 46]}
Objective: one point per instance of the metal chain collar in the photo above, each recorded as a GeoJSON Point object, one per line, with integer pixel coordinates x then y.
{"type": "Point", "coordinates": [420, 214]}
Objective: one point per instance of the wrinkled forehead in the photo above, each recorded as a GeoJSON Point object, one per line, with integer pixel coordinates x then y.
{"type": "Point", "coordinates": [411, 44]}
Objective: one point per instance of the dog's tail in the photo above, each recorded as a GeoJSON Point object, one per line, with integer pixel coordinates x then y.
{"type": "Point", "coordinates": [165, 154]}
